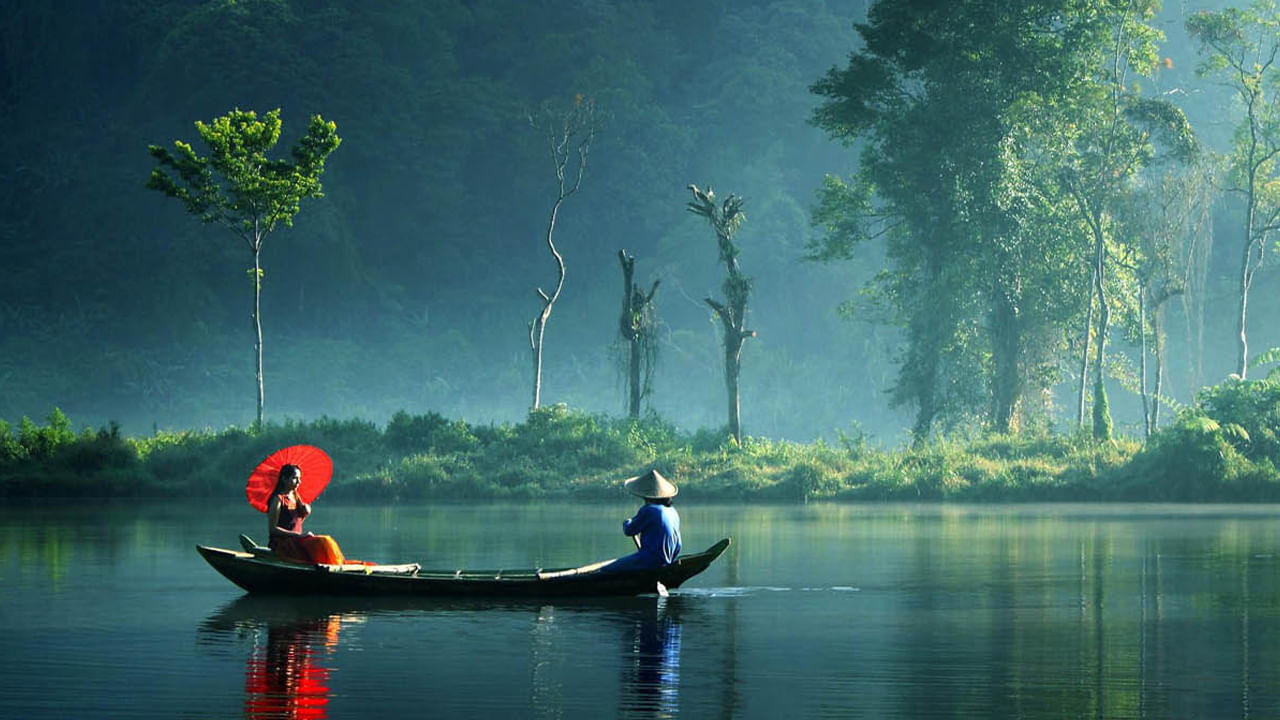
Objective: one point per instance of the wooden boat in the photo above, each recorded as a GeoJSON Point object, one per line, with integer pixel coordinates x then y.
{"type": "Point", "coordinates": [257, 570]}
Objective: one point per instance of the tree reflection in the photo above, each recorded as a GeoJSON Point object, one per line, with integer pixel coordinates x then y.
{"type": "Point", "coordinates": [651, 663]}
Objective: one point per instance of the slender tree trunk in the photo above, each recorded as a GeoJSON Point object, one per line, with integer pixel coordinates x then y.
{"type": "Point", "coordinates": [1156, 323]}
{"type": "Point", "coordinates": [1246, 256]}
{"type": "Point", "coordinates": [537, 328]}
{"type": "Point", "coordinates": [1142, 371]}
{"type": "Point", "coordinates": [1101, 412]}
{"type": "Point", "coordinates": [737, 290]}
{"type": "Point", "coordinates": [627, 327]}
{"type": "Point", "coordinates": [1084, 353]}
{"type": "Point", "coordinates": [257, 327]}
{"type": "Point", "coordinates": [560, 131]}
{"type": "Point", "coordinates": [732, 370]}
{"type": "Point", "coordinates": [633, 378]}
{"type": "Point", "coordinates": [1242, 338]}
{"type": "Point", "coordinates": [536, 333]}
{"type": "Point", "coordinates": [734, 337]}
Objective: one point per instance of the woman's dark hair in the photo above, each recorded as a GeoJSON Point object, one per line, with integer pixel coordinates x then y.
{"type": "Point", "coordinates": [659, 501]}
{"type": "Point", "coordinates": [286, 472]}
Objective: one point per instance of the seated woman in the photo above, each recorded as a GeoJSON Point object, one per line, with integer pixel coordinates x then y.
{"type": "Point", "coordinates": [655, 527]}
{"type": "Point", "coordinates": [285, 513]}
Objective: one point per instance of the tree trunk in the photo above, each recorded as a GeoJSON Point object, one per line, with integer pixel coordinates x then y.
{"type": "Point", "coordinates": [1007, 386]}
{"type": "Point", "coordinates": [538, 328]}
{"type": "Point", "coordinates": [1142, 371]}
{"type": "Point", "coordinates": [627, 328]}
{"type": "Point", "coordinates": [1242, 338]}
{"type": "Point", "coordinates": [1159, 349]}
{"type": "Point", "coordinates": [731, 320]}
{"type": "Point", "coordinates": [1246, 256]}
{"type": "Point", "coordinates": [925, 349]}
{"type": "Point", "coordinates": [257, 327]}
{"type": "Point", "coordinates": [732, 369]}
{"type": "Point", "coordinates": [734, 337]}
{"type": "Point", "coordinates": [633, 378]}
{"type": "Point", "coordinates": [921, 371]}
{"type": "Point", "coordinates": [1101, 412]}
{"type": "Point", "coordinates": [1084, 353]}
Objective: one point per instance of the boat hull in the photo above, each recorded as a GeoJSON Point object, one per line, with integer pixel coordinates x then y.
{"type": "Point", "coordinates": [265, 575]}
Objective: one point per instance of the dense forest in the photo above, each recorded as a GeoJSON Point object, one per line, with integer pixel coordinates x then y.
{"type": "Point", "coordinates": [983, 214]}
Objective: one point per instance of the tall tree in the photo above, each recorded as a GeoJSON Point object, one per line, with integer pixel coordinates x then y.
{"type": "Point", "coordinates": [1108, 133]}
{"type": "Point", "coordinates": [239, 187]}
{"type": "Point", "coordinates": [725, 219]}
{"type": "Point", "coordinates": [1240, 47]}
{"type": "Point", "coordinates": [927, 97]}
{"type": "Point", "coordinates": [568, 133]}
{"type": "Point", "coordinates": [1165, 218]}
{"type": "Point", "coordinates": [637, 326]}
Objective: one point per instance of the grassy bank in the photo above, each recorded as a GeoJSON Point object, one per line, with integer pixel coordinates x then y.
{"type": "Point", "coordinates": [1224, 448]}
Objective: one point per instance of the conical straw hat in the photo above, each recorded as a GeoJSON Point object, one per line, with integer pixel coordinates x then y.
{"type": "Point", "coordinates": [651, 485]}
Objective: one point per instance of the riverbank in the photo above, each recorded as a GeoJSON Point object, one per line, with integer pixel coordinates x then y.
{"type": "Point", "coordinates": [1225, 449]}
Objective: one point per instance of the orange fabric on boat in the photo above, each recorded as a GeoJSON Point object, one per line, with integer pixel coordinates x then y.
{"type": "Point", "coordinates": [313, 549]}
{"type": "Point", "coordinates": [324, 549]}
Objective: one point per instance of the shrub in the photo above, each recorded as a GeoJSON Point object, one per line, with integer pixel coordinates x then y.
{"type": "Point", "coordinates": [1253, 406]}
{"type": "Point", "coordinates": [40, 443]}
{"type": "Point", "coordinates": [10, 449]}
{"type": "Point", "coordinates": [809, 480]}
{"type": "Point", "coordinates": [407, 434]}
{"type": "Point", "coordinates": [1187, 461]}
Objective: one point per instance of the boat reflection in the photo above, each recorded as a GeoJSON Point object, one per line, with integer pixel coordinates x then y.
{"type": "Point", "coordinates": [651, 662]}
{"type": "Point", "coordinates": [294, 645]}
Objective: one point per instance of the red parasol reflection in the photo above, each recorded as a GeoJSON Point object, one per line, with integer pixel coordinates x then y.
{"type": "Point", "coordinates": [286, 678]}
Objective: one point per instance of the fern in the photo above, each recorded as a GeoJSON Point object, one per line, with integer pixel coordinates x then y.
{"type": "Point", "coordinates": [1270, 356]}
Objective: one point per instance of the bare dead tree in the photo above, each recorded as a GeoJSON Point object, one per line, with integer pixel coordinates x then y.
{"type": "Point", "coordinates": [636, 326]}
{"type": "Point", "coordinates": [569, 133]}
{"type": "Point", "coordinates": [725, 220]}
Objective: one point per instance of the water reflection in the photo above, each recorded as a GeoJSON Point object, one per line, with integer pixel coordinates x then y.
{"type": "Point", "coordinates": [648, 634]}
{"type": "Point", "coordinates": [287, 678]}
{"type": "Point", "coordinates": [294, 645]}
{"type": "Point", "coordinates": [286, 674]}
{"type": "Point", "coordinates": [651, 662]}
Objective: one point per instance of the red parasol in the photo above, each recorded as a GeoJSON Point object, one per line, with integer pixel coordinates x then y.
{"type": "Point", "coordinates": [316, 466]}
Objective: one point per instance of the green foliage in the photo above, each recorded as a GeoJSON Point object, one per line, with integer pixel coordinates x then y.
{"type": "Point", "coordinates": [1239, 47]}
{"type": "Point", "coordinates": [1267, 357]}
{"type": "Point", "coordinates": [844, 214]}
{"type": "Point", "coordinates": [1225, 448]}
{"type": "Point", "coordinates": [1248, 413]}
{"type": "Point", "coordinates": [238, 185]}
{"type": "Point", "coordinates": [10, 449]}
{"type": "Point", "coordinates": [41, 443]}
{"type": "Point", "coordinates": [52, 460]}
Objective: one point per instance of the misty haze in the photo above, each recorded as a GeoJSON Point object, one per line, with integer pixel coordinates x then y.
{"type": "Point", "coordinates": [412, 283]}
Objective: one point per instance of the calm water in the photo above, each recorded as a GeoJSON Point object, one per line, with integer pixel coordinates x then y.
{"type": "Point", "coordinates": [1042, 611]}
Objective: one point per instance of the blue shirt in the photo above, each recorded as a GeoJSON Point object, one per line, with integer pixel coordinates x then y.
{"type": "Point", "coordinates": [659, 529]}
